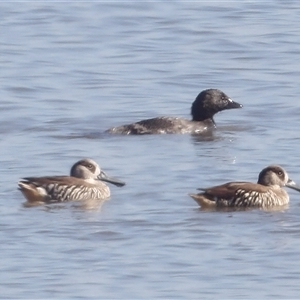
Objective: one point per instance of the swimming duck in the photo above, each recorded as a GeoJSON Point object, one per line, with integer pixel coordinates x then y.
{"type": "Point", "coordinates": [267, 192]}
{"type": "Point", "coordinates": [86, 181]}
{"type": "Point", "coordinates": [206, 105]}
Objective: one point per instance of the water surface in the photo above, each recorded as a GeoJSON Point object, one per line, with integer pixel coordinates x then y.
{"type": "Point", "coordinates": [72, 70]}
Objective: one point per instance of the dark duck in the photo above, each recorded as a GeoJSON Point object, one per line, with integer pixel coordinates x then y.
{"type": "Point", "coordinates": [206, 105]}
{"type": "Point", "coordinates": [267, 192]}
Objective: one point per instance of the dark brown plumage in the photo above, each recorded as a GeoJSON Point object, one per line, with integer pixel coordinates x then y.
{"type": "Point", "coordinates": [206, 105]}
{"type": "Point", "coordinates": [267, 192]}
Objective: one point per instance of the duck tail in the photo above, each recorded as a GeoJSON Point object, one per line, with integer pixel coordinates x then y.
{"type": "Point", "coordinates": [202, 200]}
{"type": "Point", "coordinates": [30, 192]}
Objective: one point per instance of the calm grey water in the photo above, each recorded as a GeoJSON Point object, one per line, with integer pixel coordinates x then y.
{"type": "Point", "coordinates": [71, 70]}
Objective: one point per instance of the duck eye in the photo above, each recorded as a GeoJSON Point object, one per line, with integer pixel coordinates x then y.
{"type": "Point", "coordinates": [279, 173]}
{"type": "Point", "coordinates": [89, 166]}
{"type": "Point", "coordinates": [224, 99]}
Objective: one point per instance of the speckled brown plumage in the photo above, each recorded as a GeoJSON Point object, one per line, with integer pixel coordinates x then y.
{"type": "Point", "coordinates": [206, 105]}
{"type": "Point", "coordinates": [86, 181]}
{"type": "Point", "coordinates": [267, 192]}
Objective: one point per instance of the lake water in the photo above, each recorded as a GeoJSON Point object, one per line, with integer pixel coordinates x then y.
{"type": "Point", "coordinates": [69, 71]}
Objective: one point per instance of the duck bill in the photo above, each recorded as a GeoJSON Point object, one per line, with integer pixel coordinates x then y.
{"type": "Point", "coordinates": [232, 104]}
{"type": "Point", "coordinates": [292, 185]}
{"type": "Point", "coordinates": [104, 177]}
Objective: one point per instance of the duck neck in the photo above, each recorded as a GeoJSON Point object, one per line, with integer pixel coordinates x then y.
{"type": "Point", "coordinates": [201, 113]}
{"type": "Point", "coordinates": [205, 119]}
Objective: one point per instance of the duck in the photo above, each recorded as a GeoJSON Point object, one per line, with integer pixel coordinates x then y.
{"type": "Point", "coordinates": [86, 181]}
{"type": "Point", "coordinates": [267, 192]}
{"type": "Point", "coordinates": [206, 105]}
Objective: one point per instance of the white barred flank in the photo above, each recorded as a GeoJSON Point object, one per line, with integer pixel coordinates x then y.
{"type": "Point", "coordinates": [63, 193]}
{"type": "Point", "coordinates": [244, 198]}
